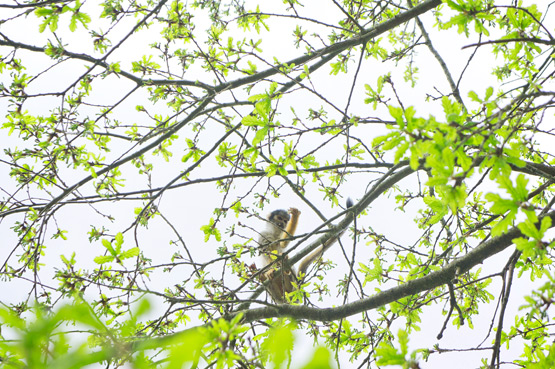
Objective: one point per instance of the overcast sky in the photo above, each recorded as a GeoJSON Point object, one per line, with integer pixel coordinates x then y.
{"type": "Point", "coordinates": [191, 207]}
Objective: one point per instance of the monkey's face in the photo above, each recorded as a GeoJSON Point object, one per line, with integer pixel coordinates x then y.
{"type": "Point", "coordinates": [279, 218]}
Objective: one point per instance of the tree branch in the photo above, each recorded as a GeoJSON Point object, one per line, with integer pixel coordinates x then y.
{"type": "Point", "coordinates": [412, 287]}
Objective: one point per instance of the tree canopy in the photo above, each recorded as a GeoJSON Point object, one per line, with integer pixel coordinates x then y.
{"type": "Point", "coordinates": [145, 142]}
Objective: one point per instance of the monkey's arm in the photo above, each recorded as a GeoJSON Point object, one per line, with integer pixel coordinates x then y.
{"type": "Point", "coordinates": [291, 227]}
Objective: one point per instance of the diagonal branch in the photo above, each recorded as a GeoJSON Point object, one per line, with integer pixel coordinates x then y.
{"type": "Point", "coordinates": [128, 158]}
{"type": "Point", "coordinates": [433, 280]}
{"type": "Point", "coordinates": [338, 47]}
{"type": "Point", "coordinates": [415, 286]}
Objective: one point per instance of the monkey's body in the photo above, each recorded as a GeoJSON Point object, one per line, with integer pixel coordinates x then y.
{"type": "Point", "coordinates": [272, 242]}
{"type": "Point", "coordinates": [282, 279]}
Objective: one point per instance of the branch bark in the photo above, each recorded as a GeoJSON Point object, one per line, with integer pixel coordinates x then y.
{"type": "Point", "coordinates": [415, 286]}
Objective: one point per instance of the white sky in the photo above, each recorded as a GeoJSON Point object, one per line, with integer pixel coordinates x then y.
{"type": "Point", "coordinates": [191, 207]}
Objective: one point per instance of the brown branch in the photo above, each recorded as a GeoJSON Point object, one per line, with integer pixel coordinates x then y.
{"type": "Point", "coordinates": [433, 280]}
{"type": "Point", "coordinates": [443, 65]}
{"type": "Point", "coordinates": [339, 46]}
{"type": "Point", "coordinates": [35, 5]}
{"type": "Point", "coordinates": [105, 65]}
{"type": "Point", "coordinates": [506, 290]}
{"type": "Point", "coordinates": [518, 39]}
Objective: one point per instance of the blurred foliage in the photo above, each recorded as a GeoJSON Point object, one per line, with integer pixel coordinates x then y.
{"type": "Point", "coordinates": [222, 108]}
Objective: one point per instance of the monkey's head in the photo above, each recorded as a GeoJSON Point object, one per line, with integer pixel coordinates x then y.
{"type": "Point", "coordinates": [279, 217]}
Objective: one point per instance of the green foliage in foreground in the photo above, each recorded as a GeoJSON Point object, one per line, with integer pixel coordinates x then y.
{"type": "Point", "coordinates": [143, 142]}
{"type": "Point", "coordinates": [73, 336]}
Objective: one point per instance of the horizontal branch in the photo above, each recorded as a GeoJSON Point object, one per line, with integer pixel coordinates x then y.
{"type": "Point", "coordinates": [100, 62]}
{"type": "Point", "coordinates": [338, 47]}
{"type": "Point", "coordinates": [123, 195]}
{"type": "Point", "coordinates": [412, 287]}
{"type": "Point", "coordinates": [409, 288]}
{"type": "Point", "coordinates": [506, 40]}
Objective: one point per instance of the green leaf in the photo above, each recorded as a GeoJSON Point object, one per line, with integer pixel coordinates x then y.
{"type": "Point", "coordinates": [474, 96]}
{"type": "Point", "coordinates": [545, 224]}
{"type": "Point", "coordinates": [397, 114]}
{"type": "Point", "coordinates": [186, 347]}
{"type": "Point", "coordinates": [403, 341]}
{"type": "Point", "coordinates": [501, 205]}
{"type": "Point", "coordinates": [436, 181]}
{"type": "Point", "coordinates": [73, 24]}
{"type": "Point", "coordinates": [371, 273]}
{"type": "Point", "coordinates": [527, 247]}
{"type": "Point", "coordinates": [43, 12]}
{"type": "Point", "coordinates": [277, 347]}
{"type": "Point", "coordinates": [529, 229]}
{"type": "Point", "coordinates": [260, 135]}
{"type": "Point", "coordinates": [103, 259]}
{"type": "Point", "coordinates": [388, 355]}
{"type": "Point", "coordinates": [251, 120]}
{"type": "Point", "coordinates": [118, 240]}
{"type": "Point", "coordinates": [393, 142]}
{"type": "Point", "coordinates": [434, 203]}
{"type": "Point", "coordinates": [108, 245]}
{"type": "Point", "coordinates": [320, 359]}
{"type": "Point", "coordinates": [211, 230]}
{"type": "Point", "coordinates": [130, 253]}
{"type": "Point", "coordinates": [263, 107]}
{"type": "Point", "coordinates": [53, 23]}
{"type": "Point", "coordinates": [521, 193]}
{"type": "Point", "coordinates": [401, 151]}
{"type": "Point", "coordinates": [489, 92]}
{"type": "Point", "coordinates": [505, 222]}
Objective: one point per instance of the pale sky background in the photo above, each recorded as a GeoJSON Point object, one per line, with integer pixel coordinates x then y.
{"type": "Point", "coordinates": [190, 207]}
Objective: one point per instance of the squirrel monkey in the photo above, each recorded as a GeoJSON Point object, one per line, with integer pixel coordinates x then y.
{"type": "Point", "coordinates": [273, 241]}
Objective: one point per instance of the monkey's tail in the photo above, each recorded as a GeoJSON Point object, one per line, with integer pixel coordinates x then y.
{"type": "Point", "coordinates": [317, 254]}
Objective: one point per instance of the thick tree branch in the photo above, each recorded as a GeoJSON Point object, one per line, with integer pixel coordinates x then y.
{"type": "Point", "coordinates": [339, 46]}
{"type": "Point", "coordinates": [412, 287]}
{"type": "Point", "coordinates": [385, 183]}
{"type": "Point", "coordinates": [323, 52]}
{"type": "Point", "coordinates": [507, 40]}
{"type": "Point", "coordinates": [97, 198]}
